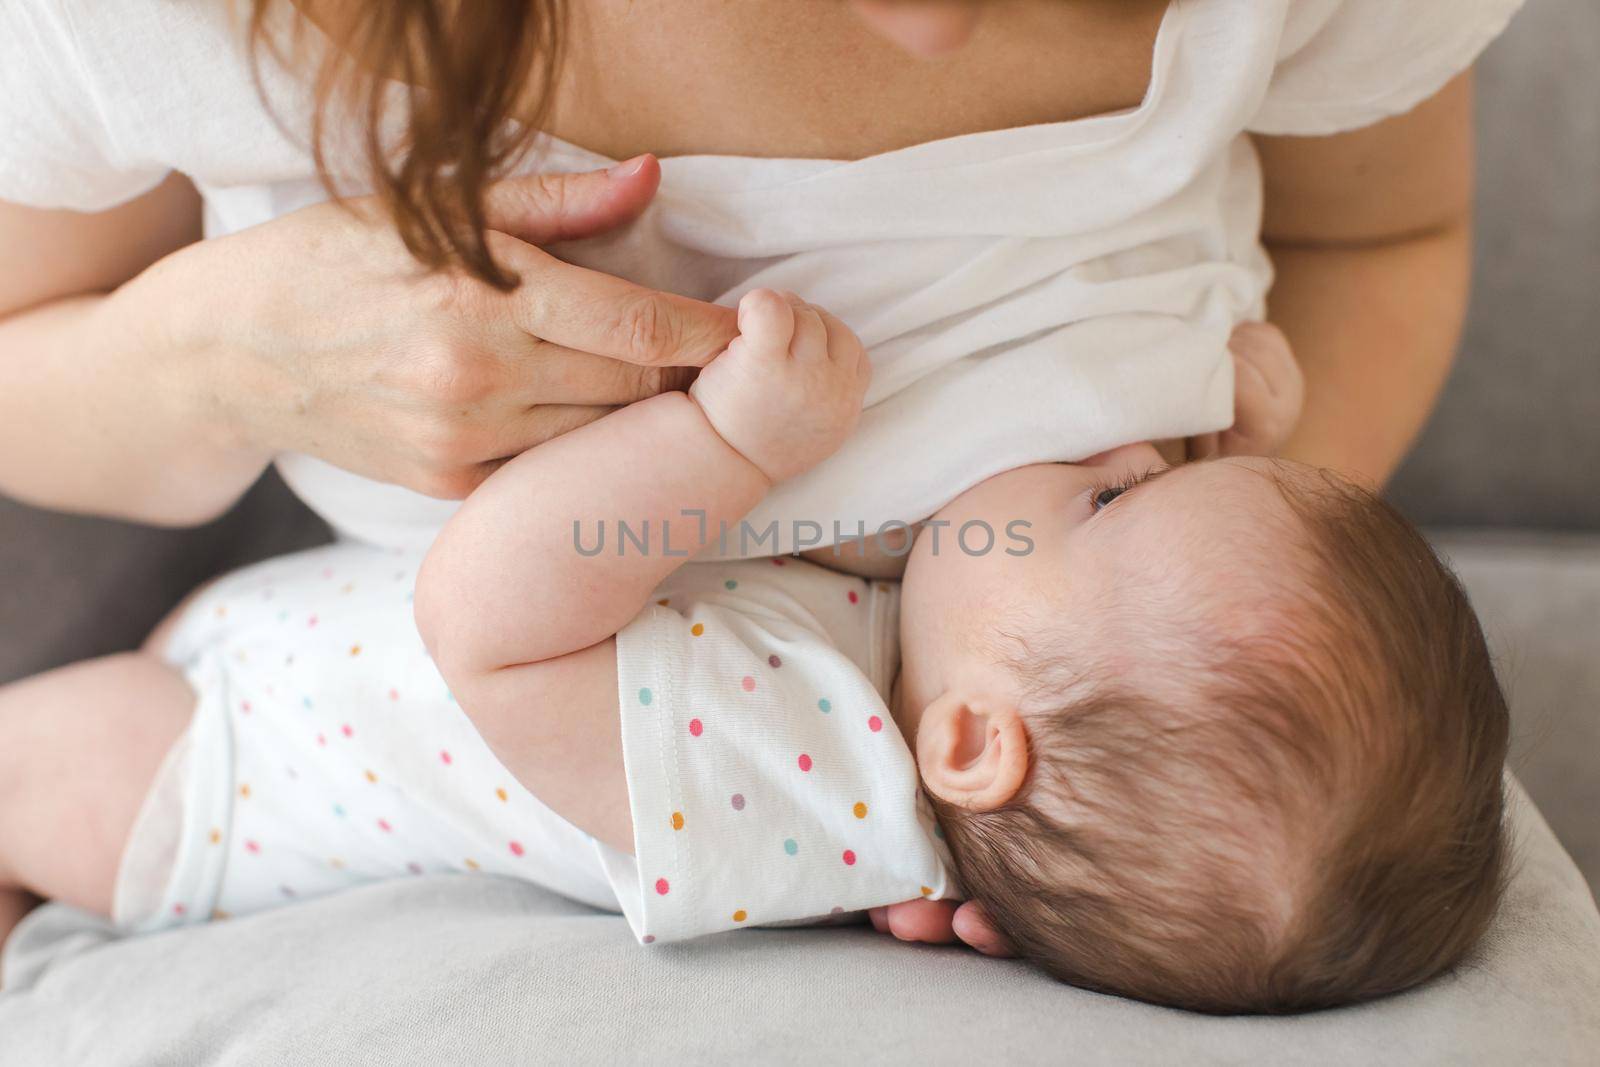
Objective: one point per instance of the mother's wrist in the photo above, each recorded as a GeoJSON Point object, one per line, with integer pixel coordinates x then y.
{"type": "Point", "coordinates": [163, 321]}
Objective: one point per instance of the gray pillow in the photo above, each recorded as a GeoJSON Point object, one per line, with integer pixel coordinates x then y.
{"type": "Point", "coordinates": [483, 970]}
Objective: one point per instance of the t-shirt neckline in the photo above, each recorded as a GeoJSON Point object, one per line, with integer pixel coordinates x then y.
{"type": "Point", "coordinates": [1082, 132]}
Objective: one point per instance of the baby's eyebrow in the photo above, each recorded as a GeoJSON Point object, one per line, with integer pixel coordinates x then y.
{"type": "Point", "coordinates": [1143, 480]}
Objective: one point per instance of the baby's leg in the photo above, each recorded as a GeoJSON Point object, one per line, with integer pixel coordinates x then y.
{"type": "Point", "coordinates": [79, 748]}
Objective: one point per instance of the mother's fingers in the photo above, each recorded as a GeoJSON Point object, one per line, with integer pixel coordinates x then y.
{"type": "Point", "coordinates": [590, 311]}
{"type": "Point", "coordinates": [544, 208]}
{"type": "Point", "coordinates": [928, 921]}
{"type": "Point", "coordinates": [535, 425]}
{"type": "Point", "coordinates": [922, 920]}
{"type": "Point", "coordinates": [544, 373]}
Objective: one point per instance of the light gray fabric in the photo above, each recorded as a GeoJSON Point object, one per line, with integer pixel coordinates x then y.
{"type": "Point", "coordinates": [1538, 597]}
{"type": "Point", "coordinates": [73, 587]}
{"type": "Point", "coordinates": [1516, 441]}
{"type": "Point", "coordinates": [481, 970]}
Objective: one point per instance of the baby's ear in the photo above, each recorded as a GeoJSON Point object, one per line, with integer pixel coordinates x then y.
{"type": "Point", "coordinates": [972, 752]}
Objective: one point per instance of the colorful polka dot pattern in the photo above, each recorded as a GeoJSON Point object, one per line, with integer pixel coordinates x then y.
{"type": "Point", "coordinates": [326, 791]}
{"type": "Point", "coordinates": [731, 697]}
{"type": "Point", "coordinates": [319, 700]}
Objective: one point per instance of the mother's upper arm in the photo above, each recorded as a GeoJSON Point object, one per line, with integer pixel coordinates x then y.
{"type": "Point", "coordinates": [46, 255]}
{"type": "Point", "coordinates": [1403, 177]}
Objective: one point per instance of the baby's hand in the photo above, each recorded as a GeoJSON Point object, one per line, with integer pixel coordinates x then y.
{"type": "Point", "coordinates": [1268, 394]}
{"type": "Point", "coordinates": [788, 390]}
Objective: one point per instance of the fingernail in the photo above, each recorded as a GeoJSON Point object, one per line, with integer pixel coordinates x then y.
{"type": "Point", "coordinates": [628, 167]}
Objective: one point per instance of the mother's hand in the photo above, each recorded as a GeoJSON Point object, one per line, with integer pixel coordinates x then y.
{"type": "Point", "coordinates": [318, 333]}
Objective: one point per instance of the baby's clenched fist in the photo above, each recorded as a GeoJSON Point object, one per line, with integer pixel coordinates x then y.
{"type": "Point", "coordinates": [788, 390]}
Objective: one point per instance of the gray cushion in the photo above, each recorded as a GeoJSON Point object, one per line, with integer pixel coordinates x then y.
{"type": "Point", "coordinates": [1539, 600]}
{"type": "Point", "coordinates": [483, 970]}
{"type": "Point", "coordinates": [75, 587]}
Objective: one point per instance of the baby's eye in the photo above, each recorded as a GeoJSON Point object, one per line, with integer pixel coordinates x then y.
{"type": "Point", "coordinates": [1107, 495]}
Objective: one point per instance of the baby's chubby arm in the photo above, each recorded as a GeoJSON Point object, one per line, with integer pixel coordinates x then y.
{"type": "Point", "coordinates": [520, 622]}
{"type": "Point", "coordinates": [505, 584]}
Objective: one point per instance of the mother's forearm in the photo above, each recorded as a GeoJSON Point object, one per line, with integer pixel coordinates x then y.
{"type": "Point", "coordinates": [1375, 327]}
{"type": "Point", "coordinates": [91, 422]}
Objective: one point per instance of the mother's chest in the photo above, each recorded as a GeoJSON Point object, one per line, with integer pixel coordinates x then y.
{"type": "Point", "coordinates": [805, 78]}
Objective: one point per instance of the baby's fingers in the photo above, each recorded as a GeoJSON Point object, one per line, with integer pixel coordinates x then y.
{"type": "Point", "coordinates": [1263, 353]}
{"type": "Point", "coordinates": [1269, 391]}
{"type": "Point", "coordinates": [844, 347]}
{"type": "Point", "coordinates": [766, 321]}
{"type": "Point", "coordinates": [1264, 417]}
{"type": "Point", "coordinates": [810, 335]}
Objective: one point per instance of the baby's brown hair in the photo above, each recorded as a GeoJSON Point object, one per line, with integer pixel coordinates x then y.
{"type": "Point", "coordinates": [1319, 822]}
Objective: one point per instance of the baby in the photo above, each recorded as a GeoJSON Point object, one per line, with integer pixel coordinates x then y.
{"type": "Point", "coordinates": [1225, 737]}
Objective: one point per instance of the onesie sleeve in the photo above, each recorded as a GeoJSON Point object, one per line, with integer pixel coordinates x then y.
{"type": "Point", "coordinates": [1345, 64]}
{"type": "Point", "coordinates": [766, 779]}
{"type": "Point", "coordinates": [57, 149]}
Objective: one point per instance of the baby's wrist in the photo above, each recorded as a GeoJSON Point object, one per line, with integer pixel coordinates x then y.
{"type": "Point", "coordinates": [730, 439]}
{"type": "Point", "coordinates": [727, 440]}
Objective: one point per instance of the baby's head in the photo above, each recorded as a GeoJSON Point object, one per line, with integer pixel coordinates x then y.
{"type": "Point", "coordinates": [1230, 741]}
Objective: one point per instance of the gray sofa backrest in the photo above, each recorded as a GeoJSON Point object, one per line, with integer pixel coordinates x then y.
{"type": "Point", "coordinates": [1516, 440]}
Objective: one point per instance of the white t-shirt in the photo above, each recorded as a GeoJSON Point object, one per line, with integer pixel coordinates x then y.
{"type": "Point", "coordinates": [1027, 295]}
{"type": "Point", "coordinates": [767, 781]}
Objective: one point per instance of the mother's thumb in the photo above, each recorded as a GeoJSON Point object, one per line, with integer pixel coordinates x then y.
{"type": "Point", "coordinates": [545, 208]}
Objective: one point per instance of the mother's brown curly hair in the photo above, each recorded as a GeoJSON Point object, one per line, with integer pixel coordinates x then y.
{"type": "Point", "coordinates": [467, 67]}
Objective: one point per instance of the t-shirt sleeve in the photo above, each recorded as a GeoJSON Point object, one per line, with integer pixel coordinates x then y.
{"type": "Point", "coordinates": [766, 779]}
{"type": "Point", "coordinates": [1345, 64]}
{"type": "Point", "coordinates": [57, 147]}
